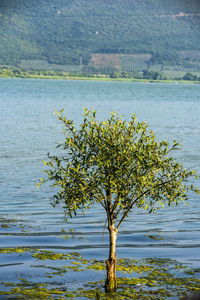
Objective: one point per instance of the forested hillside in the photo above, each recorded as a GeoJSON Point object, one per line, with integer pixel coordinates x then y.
{"type": "Point", "coordinates": [60, 31]}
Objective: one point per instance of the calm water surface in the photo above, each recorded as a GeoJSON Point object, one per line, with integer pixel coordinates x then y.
{"type": "Point", "coordinates": [29, 131]}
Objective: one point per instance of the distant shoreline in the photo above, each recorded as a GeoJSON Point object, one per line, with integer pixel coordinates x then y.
{"type": "Point", "coordinates": [99, 78]}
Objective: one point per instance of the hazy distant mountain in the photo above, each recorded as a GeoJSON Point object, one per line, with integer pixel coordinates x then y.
{"type": "Point", "coordinates": [59, 31]}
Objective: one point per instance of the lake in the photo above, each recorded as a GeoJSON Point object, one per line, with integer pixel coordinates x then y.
{"type": "Point", "coordinates": [29, 130]}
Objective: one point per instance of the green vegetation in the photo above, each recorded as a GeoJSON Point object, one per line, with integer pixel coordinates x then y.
{"type": "Point", "coordinates": [150, 278]}
{"type": "Point", "coordinates": [13, 223]}
{"type": "Point", "coordinates": [145, 76]}
{"type": "Point", "coordinates": [191, 77]}
{"type": "Point", "coordinates": [59, 32]}
{"type": "Point", "coordinates": [118, 165]}
{"type": "Point", "coordinates": [155, 75]}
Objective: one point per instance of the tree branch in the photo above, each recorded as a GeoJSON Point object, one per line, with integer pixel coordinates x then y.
{"type": "Point", "coordinates": [132, 203]}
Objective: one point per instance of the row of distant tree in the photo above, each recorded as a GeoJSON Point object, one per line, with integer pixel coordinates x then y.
{"type": "Point", "coordinates": [154, 75]}
{"type": "Point", "coordinates": [145, 74]}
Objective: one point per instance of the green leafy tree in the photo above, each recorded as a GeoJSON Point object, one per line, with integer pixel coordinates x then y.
{"type": "Point", "coordinates": [152, 75]}
{"type": "Point", "coordinates": [190, 76]}
{"type": "Point", "coordinates": [118, 165]}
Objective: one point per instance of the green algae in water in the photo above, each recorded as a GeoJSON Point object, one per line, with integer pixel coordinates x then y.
{"type": "Point", "coordinates": [44, 255]}
{"type": "Point", "coordinates": [36, 292]}
{"type": "Point", "coordinates": [15, 224]}
{"type": "Point", "coordinates": [149, 278]}
{"type": "Point", "coordinates": [14, 250]}
{"type": "Point", "coordinates": [8, 223]}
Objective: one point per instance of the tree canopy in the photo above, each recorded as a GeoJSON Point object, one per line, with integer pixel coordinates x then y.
{"type": "Point", "coordinates": [118, 159]}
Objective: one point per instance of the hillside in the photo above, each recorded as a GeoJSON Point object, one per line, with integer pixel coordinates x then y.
{"type": "Point", "coordinates": [60, 31]}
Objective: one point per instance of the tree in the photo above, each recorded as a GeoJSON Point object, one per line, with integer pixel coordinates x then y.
{"type": "Point", "coordinates": [190, 76]}
{"type": "Point", "coordinates": [151, 75]}
{"type": "Point", "coordinates": [165, 57]}
{"type": "Point", "coordinates": [118, 165]}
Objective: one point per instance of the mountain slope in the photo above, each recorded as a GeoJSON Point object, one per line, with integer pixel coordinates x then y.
{"type": "Point", "coordinates": [59, 31]}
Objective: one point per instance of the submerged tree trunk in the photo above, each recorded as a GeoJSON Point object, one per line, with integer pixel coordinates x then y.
{"type": "Point", "coordinates": [111, 280]}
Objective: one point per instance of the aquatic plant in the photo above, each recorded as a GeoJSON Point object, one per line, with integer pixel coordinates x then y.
{"type": "Point", "coordinates": [150, 278]}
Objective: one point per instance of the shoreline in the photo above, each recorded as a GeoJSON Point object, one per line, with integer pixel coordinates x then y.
{"type": "Point", "coordinates": [105, 79]}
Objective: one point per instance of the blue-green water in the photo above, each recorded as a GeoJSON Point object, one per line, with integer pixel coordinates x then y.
{"type": "Point", "coordinates": [29, 130]}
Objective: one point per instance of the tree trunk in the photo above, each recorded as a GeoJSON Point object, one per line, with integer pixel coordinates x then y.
{"type": "Point", "coordinates": [111, 281]}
